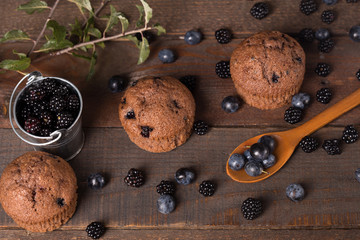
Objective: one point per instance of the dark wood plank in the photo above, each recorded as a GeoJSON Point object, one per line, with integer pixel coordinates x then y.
{"type": "Point", "coordinates": [100, 108]}
{"type": "Point", "coordinates": [332, 198]}
{"type": "Point", "coordinates": [180, 16]}
{"type": "Point", "coordinates": [333, 234]}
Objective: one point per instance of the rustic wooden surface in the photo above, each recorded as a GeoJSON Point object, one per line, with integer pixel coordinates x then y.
{"type": "Point", "coordinates": [331, 207]}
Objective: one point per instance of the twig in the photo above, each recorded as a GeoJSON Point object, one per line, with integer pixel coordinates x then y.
{"type": "Point", "coordinates": [100, 40]}
{"type": "Point", "coordinates": [44, 27]}
{"type": "Point", "coordinates": [97, 11]}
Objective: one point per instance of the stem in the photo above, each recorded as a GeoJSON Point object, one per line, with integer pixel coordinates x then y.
{"type": "Point", "coordinates": [104, 39]}
{"type": "Point", "coordinates": [44, 27]}
{"type": "Point", "coordinates": [102, 5]}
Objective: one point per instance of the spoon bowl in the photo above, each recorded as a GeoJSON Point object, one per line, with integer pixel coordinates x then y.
{"type": "Point", "coordinates": [288, 140]}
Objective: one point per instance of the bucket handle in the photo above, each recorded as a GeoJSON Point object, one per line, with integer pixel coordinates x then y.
{"type": "Point", "coordinates": [31, 77]}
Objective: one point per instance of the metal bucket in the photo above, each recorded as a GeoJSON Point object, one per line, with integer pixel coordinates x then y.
{"type": "Point", "coordinates": [66, 143]}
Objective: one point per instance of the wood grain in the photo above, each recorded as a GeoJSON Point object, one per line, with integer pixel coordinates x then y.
{"type": "Point", "coordinates": [332, 198]}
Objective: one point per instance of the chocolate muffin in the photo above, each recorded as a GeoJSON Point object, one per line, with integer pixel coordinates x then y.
{"type": "Point", "coordinates": [268, 69]}
{"type": "Point", "coordinates": [38, 191]}
{"type": "Point", "coordinates": [157, 113]}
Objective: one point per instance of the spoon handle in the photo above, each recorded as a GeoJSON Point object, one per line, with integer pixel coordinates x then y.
{"type": "Point", "coordinates": [329, 114]}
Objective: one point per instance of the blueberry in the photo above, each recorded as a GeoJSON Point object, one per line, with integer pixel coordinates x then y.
{"type": "Point", "coordinates": [166, 204]}
{"type": "Point", "coordinates": [230, 104]}
{"type": "Point", "coordinates": [117, 83]}
{"type": "Point", "coordinates": [247, 155]}
{"type": "Point", "coordinates": [301, 100]}
{"type": "Point", "coordinates": [295, 192]}
{"type": "Point", "coordinates": [357, 174]}
{"type": "Point", "coordinates": [166, 56]}
{"type": "Point", "coordinates": [269, 161]}
{"type": "Point", "coordinates": [355, 33]}
{"type": "Point", "coordinates": [253, 168]}
{"type": "Point", "coordinates": [236, 161]}
{"type": "Point", "coordinates": [330, 2]}
{"type": "Point", "coordinates": [184, 176]}
{"type": "Point", "coordinates": [193, 37]}
{"type": "Point", "coordinates": [322, 34]}
{"type": "Point", "coordinates": [259, 151]}
{"type": "Point", "coordinates": [269, 141]}
{"type": "Point", "coordinates": [96, 181]}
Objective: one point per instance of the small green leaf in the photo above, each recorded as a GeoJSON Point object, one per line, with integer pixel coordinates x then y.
{"type": "Point", "coordinates": [144, 51]}
{"type": "Point", "coordinates": [33, 6]}
{"type": "Point", "coordinates": [92, 65]}
{"type": "Point", "coordinates": [124, 22]}
{"type": "Point", "coordinates": [59, 32]}
{"type": "Point", "coordinates": [94, 32]}
{"type": "Point", "coordinates": [15, 65]}
{"type": "Point", "coordinates": [83, 48]}
{"type": "Point", "coordinates": [140, 21]}
{"type": "Point", "coordinates": [101, 44]}
{"type": "Point", "coordinates": [160, 29]}
{"type": "Point", "coordinates": [147, 10]}
{"type": "Point", "coordinates": [81, 56]}
{"type": "Point", "coordinates": [14, 35]}
{"type": "Point", "coordinates": [134, 40]}
{"type": "Point", "coordinates": [21, 55]}
{"type": "Point", "coordinates": [113, 19]}
{"type": "Point", "coordinates": [52, 44]}
{"type": "Point", "coordinates": [83, 4]}
{"type": "Point", "coordinates": [76, 29]}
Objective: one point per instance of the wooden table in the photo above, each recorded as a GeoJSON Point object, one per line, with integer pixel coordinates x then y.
{"type": "Point", "coordinates": [331, 209]}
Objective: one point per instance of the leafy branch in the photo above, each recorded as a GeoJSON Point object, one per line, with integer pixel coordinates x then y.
{"type": "Point", "coordinates": [88, 36]}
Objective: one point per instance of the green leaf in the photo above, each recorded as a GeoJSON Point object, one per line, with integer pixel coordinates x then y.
{"type": "Point", "coordinates": [92, 65]}
{"type": "Point", "coordinates": [147, 10]}
{"type": "Point", "coordinates": [101, 44]}
{"type": "Point", "coordinates": [83, 4]}
{"type": "Point", "coordinates": [81, 56]}
{"type": "Point", "coordinates": [94, 32]}
{"type": "Point", "coordinates": [144, 51]}
{"type": "Point", "coordinates": [21, 55]}
{"type": "Point", "coordinates": [15, 65]}
{"type": "Point", "coordinates": [113, 19]}
{"type": "Point", "coordinates": [76, 29]}
{"type": "Point", "coordinates": [53, 44]}
{"type": "Point", "coordinates": [134, 40]}
{"type": "Point", "coordinates": [59, 32]}
{"type": "Point", "coordinates": [160, 29]}
{"type": "Point", "coordinates": [14, 35]}
{"type": "Point", "coordinates": [33, 6]}
{"type": "Point", "coordinates": [124, 22]}
{"type": "Point", "coordinates": [140, 21]}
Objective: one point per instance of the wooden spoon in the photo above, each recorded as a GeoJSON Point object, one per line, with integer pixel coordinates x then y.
{"type": "Point", "coordinates": [288, 140]}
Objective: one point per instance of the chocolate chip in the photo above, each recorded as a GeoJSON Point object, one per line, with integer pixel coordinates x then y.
{"type": "Point", "coordinates": [145, 131]}
{"type": "Point", "coordinates": [60, 202]}
{"type": "Point", "coordinates": [298, 59]}
{"type": "Point", "coordinates": [123, 101]}
{"type": "Point", "coordinates": [176, 104]}
{"type": "Point", "coordinates": [130, 115]}
{"type": "Point", "coordinates": [275, 78]}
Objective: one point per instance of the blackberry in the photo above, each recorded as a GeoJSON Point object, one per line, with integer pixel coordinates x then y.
{"type": "Point", "coordinates": [223, 36]}
{"type": "Point", "coordinates": [32, 125]}
{"type": "Point", "coordinates": [38, 107]}
{"type": "Point", "coordinates": [130, 115]}
{"type": "Point", "coordinates": [189, 81]}
{"type": "Point", "coordinates": [251, 208]}
{"type": "Point", "coordinates": [49, 85]}
{"type": "Point", "coordinates": [207, 188]}
{"type": "Point", "coordinates": [222, 69]}
{"type": "Point", "coordinates": [322, 69]}
{"type": "Point", "coordinates": [259, 10]}
{"type": "Point", "coordinates": [309, 144]}
{"type": "Point", "coordinates": [350, 134]}
{"type": "Point", "coordinates": [200, 127]}
{"type": "Point", "coordinates": [134, 178]}
{"type": "Point", "coordinates": [36, 92]}
{"type": "Point", "coordinates": [332, 146]}
{"type": "Point", "coordinates": [358, 74]}
{"type": "Point", "coordinates": [308, 6]}
{"type": "Point", "coordinates": [324, 95]}
{"type": "Point", "coordinates": [95, 230]}
{"type": "Point", "coordinates": [328, 16]}
{"type": "Point", "coordinates": [306, 35]}
{"type": "Point", "coordinates": [326, 45]}
{"type": "Point", "coordinates": [45, 132]}
{"type": "Point", "coordinates": [47, 118]}
{"type": "Point", "coordinates": [166, 187]}
{"type": "Point", "coordinates": [64, 120]}
{"type": "Point", "coordinates": [73, 103]}
{"type": "Point", "coordinates": [57, 103]}
{"type": "Point", "coordinates": [293, 115]}
{"type": "Point", "coordinates": [145, 131]}
{"type": "Point", "coordinates": [25, 112]}
{"type": "Point", "coordinates": [150, 37]}
{"type": "Point", "coordinates": [61, 90]}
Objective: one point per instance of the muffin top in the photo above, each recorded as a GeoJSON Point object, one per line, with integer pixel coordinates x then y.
{"type": "Point", "coordinates": [267, 63]}
{"type": "Point", "coordinates": [157, 107]}
{"type": "Point", "coordinates": [36, 186]}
